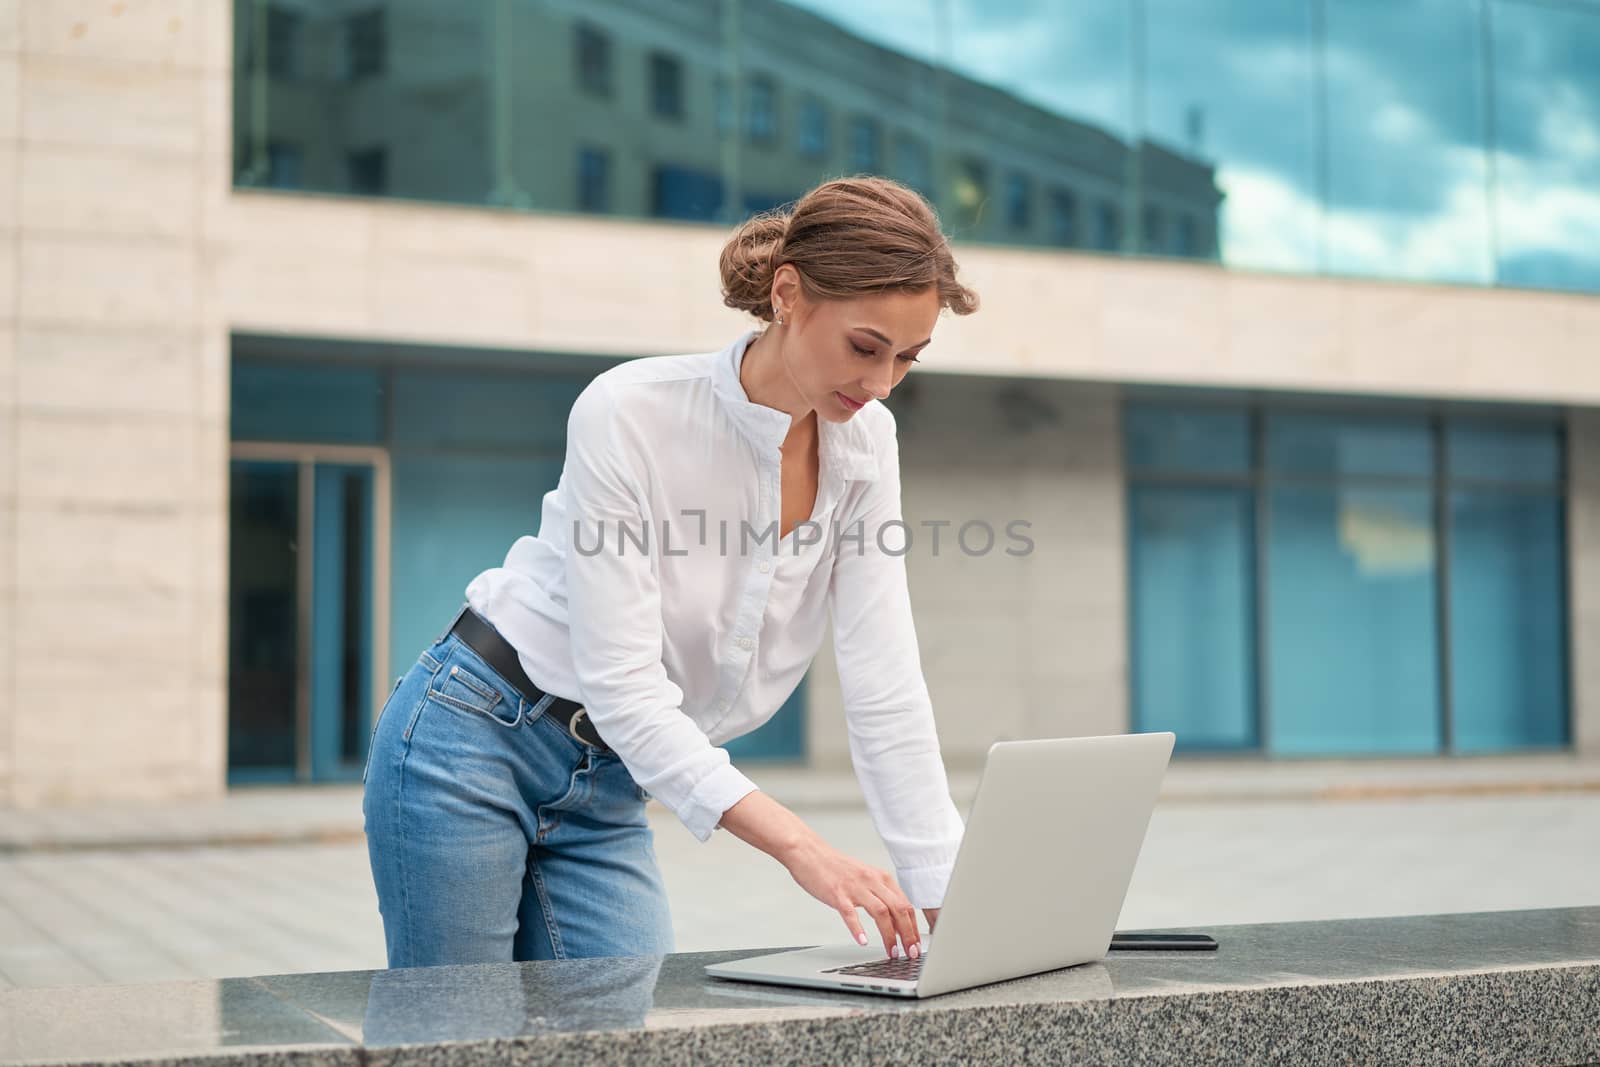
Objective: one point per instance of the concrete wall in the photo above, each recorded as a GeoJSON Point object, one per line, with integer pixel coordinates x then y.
{"type": "Point", "coordinates": [1583, 548]}
{"type": "Point", "coordinates": [437, 274]}
{"type": "Point", "coordinates": [1012, 646]}
{"type": "Point", "coordinates": [112, 407]}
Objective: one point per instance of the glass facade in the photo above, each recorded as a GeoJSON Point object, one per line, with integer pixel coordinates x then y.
{"type": "Point", "coordinates": [1350, 637]}
{"type": "Point", "coordinates": [1194, 613]}
{"type": "Point", "coordinates": [1508, 584]}
{"type": "Point", "coordinates": [1446, 140]}
{"type": "Point", "coordinates": [1312, 582]}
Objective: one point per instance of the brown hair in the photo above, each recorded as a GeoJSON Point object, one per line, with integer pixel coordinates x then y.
{"type": "Point", "coordinates": [847, 237]}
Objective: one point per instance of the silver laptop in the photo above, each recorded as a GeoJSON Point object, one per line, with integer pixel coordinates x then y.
{"type": "Point", "coordinates": [1055, 829]}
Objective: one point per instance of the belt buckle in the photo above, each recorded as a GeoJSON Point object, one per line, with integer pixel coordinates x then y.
{"type": "Point", "coordinates": [572, 726]}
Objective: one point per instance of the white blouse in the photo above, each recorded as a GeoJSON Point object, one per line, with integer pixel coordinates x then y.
{"type": "Point", "coordinates": [659, 595]}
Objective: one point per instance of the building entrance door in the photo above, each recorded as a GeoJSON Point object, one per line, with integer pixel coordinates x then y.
{"type": "Point", "coordinates": [308, 610]}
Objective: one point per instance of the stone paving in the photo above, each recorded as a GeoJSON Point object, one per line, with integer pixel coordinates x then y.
{"type": "Point", "coordinates": [323, 813]}
{"type": "Point", "coordinates": [155, 912]}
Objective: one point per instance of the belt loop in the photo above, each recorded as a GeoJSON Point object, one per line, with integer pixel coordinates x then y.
{"type": "Point", "coordinates": [478, 634]}
{"type": "Point", "coordinates": [539, 707]}
{"type": "Point", "coordinates": [465, 607]}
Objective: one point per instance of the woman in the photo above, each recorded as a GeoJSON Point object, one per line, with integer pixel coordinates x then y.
{"type": "Point", "coordinates": [714, 511]}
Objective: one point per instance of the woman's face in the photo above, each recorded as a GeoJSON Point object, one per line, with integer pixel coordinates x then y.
{"type": "Point", "coordinates": [843, 354]}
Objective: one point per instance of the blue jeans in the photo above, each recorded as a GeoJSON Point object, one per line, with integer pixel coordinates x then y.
{"type": "Point", "coordinates": [494, 835]}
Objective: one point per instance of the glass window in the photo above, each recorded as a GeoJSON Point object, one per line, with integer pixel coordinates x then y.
{"type": "Point", "coordinates": [284, 166]}
{"type": "Point", "coordinates": [367, 171]}
{"type": "Point", "coordinates": [591, 47]}
{"type": "Point", "coordinates": [877, 62]}
{"type": "Point", "coordinates": [306, 402]}
{"type": "Point", "coordinates": [451, 512]}
{"type": "Point", "coordinates": [1184, 241]}
{"type": "Point", "coordinates": [366, 71]}
{"type": "Point", "coordinates": [686, 193]}
{"type": "Point", "coordinates": [1354, 588]}
{"type": "Point", "coordinates": [365, 44]}
{"type": "Point", "coordinates": [1507, 632]}
{"type": "Point", "coordinates": [1504, 452]}
{"type": "Point", "coordinates": [1229, 99]}
{"type": "Point", "coordinates": [1193, 559]}
{"type": "Point", "coordinates": [882, 27]}
{"type": "Point", "coordinates": [1070, 60]}
{"type": "Point", "coordinates": [913, 166]}
{"type": "Point", "coordinates": [970, 192]}
{"type": "Point", "coordinates": [1155, 229]}
{"type": "Point", "coordinates": [264, 531]}
{"type": "Point", "coordinates": [1547, 175]}
{"type": "Point", "coordinates": [457, 435]}
{"type": "Point", "coordinates": [812, 128]}
{"type": "Point", "coordinates": [1048, 85]}
{"type": "Point", "coordinates": [1406, 168]}
{"type": "Point", "coordinates": [1303, 135]}
{"type": "Point", "coordinates": [758, 202]}
{"type": "Point", "coordinates": [1188, 440]}
{"type": "Point", "coordinates": [666, 85]}
{"type": "Point", "coordinates": [863, 145]}
{"type": "Point", "coordinates": [1337, 445]}
{"type": "Point", "coordinates": [594, 179]}
{"type": "Point", "coordinates": [480, 411]}
{"type": "Point", "coordinates": [725, 105]}
{"type": "Point", "coordinates": [1063, 218]}
{"type": "Point", "coordinates": [283, 42]}
{"type": "Point", "coordinates": [1019, 200]}
{"type": "Point", "coordinates": [1107, 226]}
{"type": "Point", "coordinates": [763, 110]}
{"type": "Point", "coordinates": [1351, 643]}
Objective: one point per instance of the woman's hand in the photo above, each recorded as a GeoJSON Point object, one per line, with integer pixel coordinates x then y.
{"type": "Point", "coordinates": [932, 915]}
{"type": "Point", "coordinates": [840, 882]}
{"type": "Point", "coordinates": [845, 884]}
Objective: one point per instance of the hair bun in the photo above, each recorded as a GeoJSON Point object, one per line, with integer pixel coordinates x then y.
{"type": "Point", "coordinates": [847, 238]}
{"type": "Point", "coordinates": [748, 262]}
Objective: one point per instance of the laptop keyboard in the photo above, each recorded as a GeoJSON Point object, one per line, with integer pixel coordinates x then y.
{"type": "Point", "coordinates": [903, 967]}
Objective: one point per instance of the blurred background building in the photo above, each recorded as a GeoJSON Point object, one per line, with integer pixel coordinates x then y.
{"type": "Point", "coordinates": [1287, 354]}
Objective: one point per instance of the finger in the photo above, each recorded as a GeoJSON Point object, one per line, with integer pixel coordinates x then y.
{"type": "Point", "coordinates": [905, 922]}
{"type": "Point", "coordinates": [848, 911]}
{"type": "Point", "coordinates": [903, 915]}
{"type": "Point", "coordinates": [883, 916]}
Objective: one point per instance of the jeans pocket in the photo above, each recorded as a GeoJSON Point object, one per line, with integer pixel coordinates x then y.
{"type": "Point", "coordinates": [462, 688]}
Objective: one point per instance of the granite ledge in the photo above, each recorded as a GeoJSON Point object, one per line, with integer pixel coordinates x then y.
{"type": "Point", "coordinates": [1488, 1018]}
{"type": "Point", "coordinates": [1488, 988]}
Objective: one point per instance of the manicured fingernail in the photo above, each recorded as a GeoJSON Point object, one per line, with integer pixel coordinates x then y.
{"type": "Point", "coordinates": [915, 950]}
{"type": "Point", "coordinates": [861, 939]}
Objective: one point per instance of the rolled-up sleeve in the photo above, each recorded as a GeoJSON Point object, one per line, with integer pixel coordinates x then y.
{"type": "Point", "coordinates": [614, 605]}
{"type": "Point", "coordinates": [894, 746]}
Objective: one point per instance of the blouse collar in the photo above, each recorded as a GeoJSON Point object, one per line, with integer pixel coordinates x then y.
{"type": "Point", "coordinates": [844, 447]}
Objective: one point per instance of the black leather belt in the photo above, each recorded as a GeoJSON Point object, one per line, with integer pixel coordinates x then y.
{"type": "Point", "coordinates": [476, 633]}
